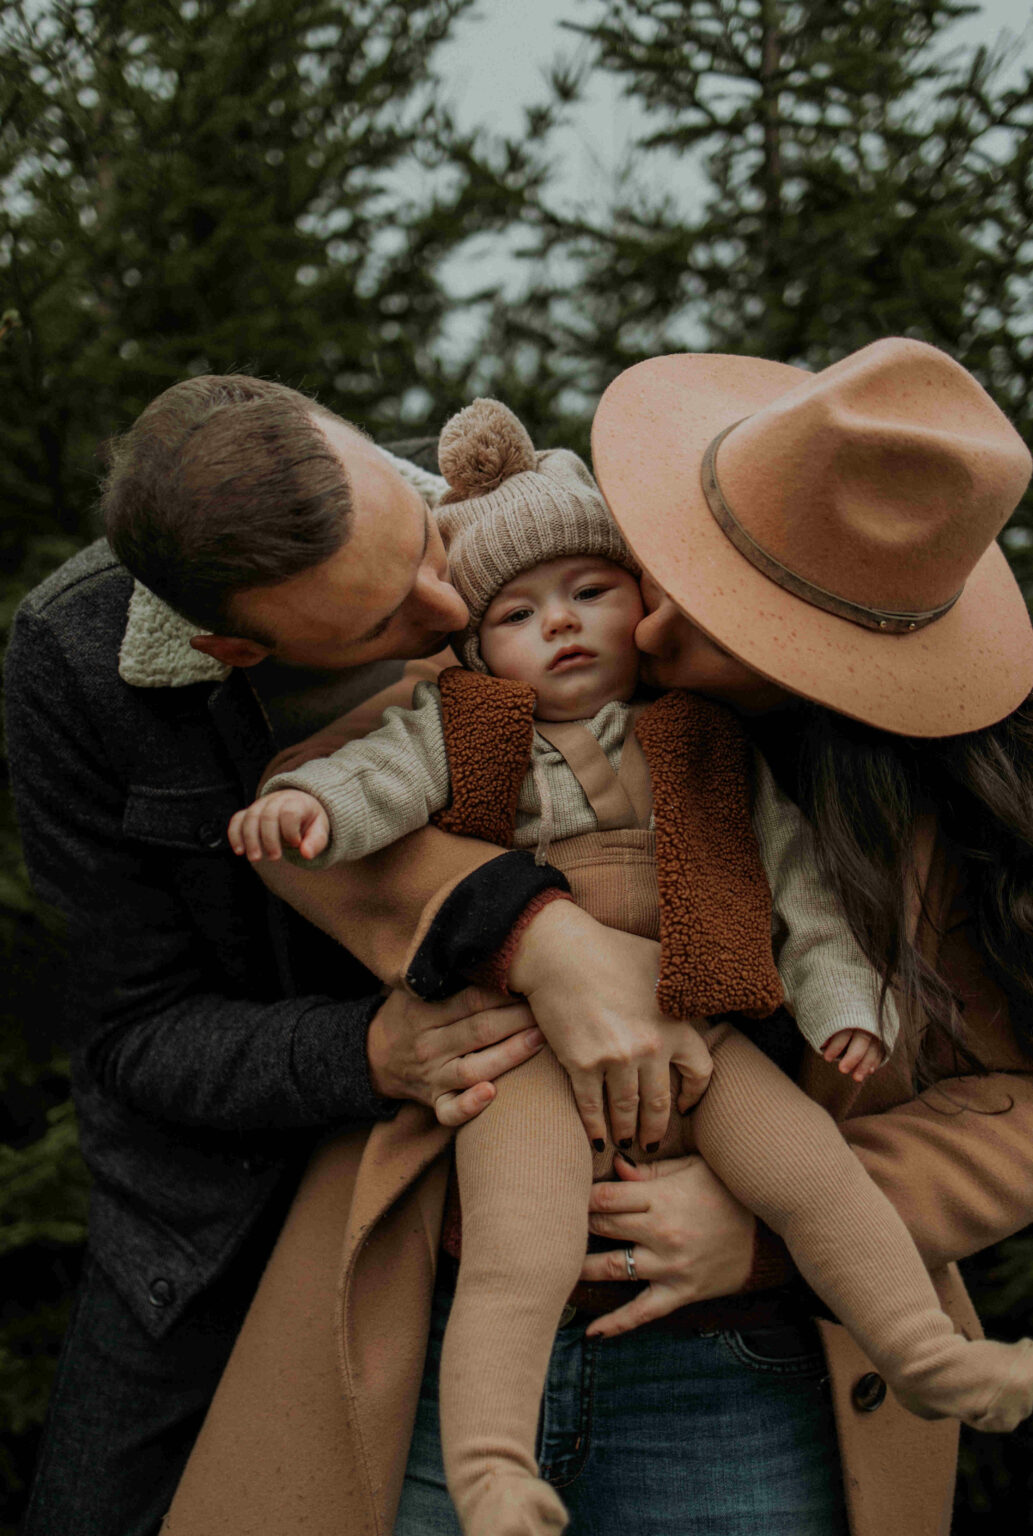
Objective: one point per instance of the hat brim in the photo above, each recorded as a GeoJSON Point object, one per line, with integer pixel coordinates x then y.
{"type": "Point", "coordinates": [965, 671]}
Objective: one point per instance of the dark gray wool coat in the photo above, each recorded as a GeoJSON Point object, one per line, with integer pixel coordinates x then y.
{"type": "Point", "coordinates": [214, 1034]}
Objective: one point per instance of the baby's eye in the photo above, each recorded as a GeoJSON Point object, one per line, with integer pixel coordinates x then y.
{"type": "Point", "coordinates": [516, 616]}
{"type": "Point", "coordinates": [584, 593]}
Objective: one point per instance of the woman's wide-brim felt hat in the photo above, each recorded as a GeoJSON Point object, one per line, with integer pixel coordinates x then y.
{"type": "Point", "coordinates": [835, 531]}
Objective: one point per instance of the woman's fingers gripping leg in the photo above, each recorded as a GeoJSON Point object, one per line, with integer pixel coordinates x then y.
{"type": "Point", "coordinates": [623, 1095]}
{"type": "Point", "coordinates": [692, 1060]}
{"type": "Point", "coordinates": [626, 1212]}
{"type": "Point", "coordinates": [654, 1110]}
{"type": "Point", "coordinates": [589, 1097]}
{"type": "Point", "coordinates": [655, 1300]}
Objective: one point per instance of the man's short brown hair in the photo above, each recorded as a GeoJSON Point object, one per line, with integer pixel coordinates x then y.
{"type": "Point", "coordinates": [224, 482]}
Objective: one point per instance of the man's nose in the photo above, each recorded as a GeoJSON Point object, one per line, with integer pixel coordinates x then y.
{"type": "Point", "coordinates": [439, 605]}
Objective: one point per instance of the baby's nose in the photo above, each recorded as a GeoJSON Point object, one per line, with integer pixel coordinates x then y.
{"type": "Point", "coordinates": [559, 618]}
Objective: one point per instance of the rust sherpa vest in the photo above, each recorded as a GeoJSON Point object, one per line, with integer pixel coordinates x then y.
{"type": "Point", "coordinates": [715, 905]}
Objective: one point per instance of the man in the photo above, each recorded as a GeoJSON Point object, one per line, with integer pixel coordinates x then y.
{"type": "Point", "coordinates": [285, 568]}
{"type": "Point", "coordinates": [214, 1035]}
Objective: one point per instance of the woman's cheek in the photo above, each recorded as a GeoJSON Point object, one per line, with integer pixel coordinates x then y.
{"type": "Point", "coordinates": [666, 643]}
{"type": "Point", "coordinates": [688, 662]}
{"type": "Point", "coordinates": [649, 634]}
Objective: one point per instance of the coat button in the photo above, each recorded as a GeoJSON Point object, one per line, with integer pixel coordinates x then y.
{"type": "Point", "coordinates": [161, 1293]}
{"type": "Point", "coordinates": [211, 834]}
{"type": "Point", "coordinates": [869, 1393]}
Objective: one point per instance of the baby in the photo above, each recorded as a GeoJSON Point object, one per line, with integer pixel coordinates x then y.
{"type": "Point", "coordinates": [648, 812]}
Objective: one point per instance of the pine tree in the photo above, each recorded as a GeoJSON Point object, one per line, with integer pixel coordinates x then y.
{"type": "Point", "coordinates": [815, 174]}
{"type": "Point", "coordinates": [199, 186]}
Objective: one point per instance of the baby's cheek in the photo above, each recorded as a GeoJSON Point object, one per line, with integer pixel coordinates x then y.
{"type": "Point", "coordinates": [493, 649]}
{"type": "Point", "coordinates": [508, 654]}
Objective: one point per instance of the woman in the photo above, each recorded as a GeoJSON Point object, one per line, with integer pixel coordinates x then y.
{"type": "Point", "coordinates": [838, 547]}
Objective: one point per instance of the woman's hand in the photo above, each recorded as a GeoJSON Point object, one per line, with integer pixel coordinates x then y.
{"type": "Point", "coordinates": [446, 1054]}
{"type": "Point", "coordinates": [592, 991]}
{"type": "Point", "coordinates": [690, 1239]}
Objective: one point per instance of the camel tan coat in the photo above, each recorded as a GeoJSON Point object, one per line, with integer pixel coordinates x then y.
{"type": "Point", "coordinates": [310, 1426]}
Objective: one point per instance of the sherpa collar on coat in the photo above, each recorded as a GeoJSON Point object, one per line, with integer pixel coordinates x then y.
{"type": "Point", "coordinates": [156, 650]}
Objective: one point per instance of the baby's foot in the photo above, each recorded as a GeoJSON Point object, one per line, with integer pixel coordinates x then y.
{"type": "Point", "coordinates": [985, 1384]}
{"type": "Point", "coordinates": [508, 1504]}
{"type": "Point", "coordinates": [1013, 1400]}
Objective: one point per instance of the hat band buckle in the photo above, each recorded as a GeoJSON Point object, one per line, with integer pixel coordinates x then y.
{"type": "Point", "coordinates": [881, 620]}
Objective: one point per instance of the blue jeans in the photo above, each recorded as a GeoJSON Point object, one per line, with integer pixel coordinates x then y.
{"type": "Point", "coordinates": [656, 1434]}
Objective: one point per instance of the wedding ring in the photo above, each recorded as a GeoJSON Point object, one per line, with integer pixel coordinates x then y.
{"type": "Point", "coordinates": [629, 1263]}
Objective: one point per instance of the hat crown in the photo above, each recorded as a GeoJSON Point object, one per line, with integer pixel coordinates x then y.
{"type": "Point", "coordinates": [882, 479]}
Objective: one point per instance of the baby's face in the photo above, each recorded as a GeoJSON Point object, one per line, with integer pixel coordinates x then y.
{"type": "Point", "coordinates": [568, 628]}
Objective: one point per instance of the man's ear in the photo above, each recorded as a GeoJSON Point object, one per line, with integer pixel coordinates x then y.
{"type": "Point", "coordinates": [230, 651]}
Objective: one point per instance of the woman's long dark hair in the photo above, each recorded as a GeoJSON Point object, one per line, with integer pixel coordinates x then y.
{"type": "Point", "coordinates": [863, 791]}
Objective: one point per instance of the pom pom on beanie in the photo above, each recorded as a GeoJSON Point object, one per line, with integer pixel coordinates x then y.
{"type": "Point", "coordinates": [481, 447]}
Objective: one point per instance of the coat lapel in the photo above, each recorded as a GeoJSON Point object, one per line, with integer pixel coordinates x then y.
{"type": "Point", "coordinates": [242, 728]}
{"type": "Point", "coordinates": [383, 1310]}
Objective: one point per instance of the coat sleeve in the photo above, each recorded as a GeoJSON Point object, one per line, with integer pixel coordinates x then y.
{"type": "Point", "coordinates": [829, 984]}
{"type": "Point", "coordinates": [956, 1159]}
{"type": "Point", "coordinates": [955, 1162]}
{"type": "Point", "coordinates": [379, 788]}
{"type": "Point", "coordinates": [152, 1019]}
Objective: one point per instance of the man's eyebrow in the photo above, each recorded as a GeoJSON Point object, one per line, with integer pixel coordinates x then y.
{"type": "Point", "coordinates": [381, 626]}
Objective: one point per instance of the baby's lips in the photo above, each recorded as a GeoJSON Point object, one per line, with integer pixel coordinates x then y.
{"type": "Point", "coordinates": [570, 654]}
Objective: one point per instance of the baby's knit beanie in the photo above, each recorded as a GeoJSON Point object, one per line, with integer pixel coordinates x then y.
{"type": "Point", "coordinates": [508, 508]}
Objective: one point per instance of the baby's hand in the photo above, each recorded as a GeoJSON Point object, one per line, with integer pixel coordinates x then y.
{"type": "Point", "coordinates": [857, 1052]}
{"type": "Point", "coordinates": [286, 816]}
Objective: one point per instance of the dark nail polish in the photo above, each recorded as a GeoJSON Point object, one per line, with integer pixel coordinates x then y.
{"type": "Point", "coordinates": [599, 1144]}
{"type": "Point", "coordinates": [653, 1146]}
{"type": "Point", "coordinates": [624, 1143]}
{"type": "Point", "coordinates": [626, 1157]}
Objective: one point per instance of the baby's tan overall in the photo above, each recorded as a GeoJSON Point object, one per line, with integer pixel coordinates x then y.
{"type": "Point", "coordinates": [525, 1167]}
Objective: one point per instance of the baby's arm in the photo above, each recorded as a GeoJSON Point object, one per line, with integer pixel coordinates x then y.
{"type": "Point", "coordinates": [830, 986]}
{"type": "Point", "coordinates": [364, 796]}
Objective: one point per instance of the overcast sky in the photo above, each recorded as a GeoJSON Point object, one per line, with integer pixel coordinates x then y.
{"type": "Point", "coordinates": [497, 64]}
{"type": "Point", "coordinates": [502, 49]}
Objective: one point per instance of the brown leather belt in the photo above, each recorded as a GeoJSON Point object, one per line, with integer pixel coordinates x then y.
{"type": "Point", "coordinates": [785, 1305]}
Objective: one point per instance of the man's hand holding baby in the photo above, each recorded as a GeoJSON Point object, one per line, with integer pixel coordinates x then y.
{"type": "Point", "coordinates": [287, 817]}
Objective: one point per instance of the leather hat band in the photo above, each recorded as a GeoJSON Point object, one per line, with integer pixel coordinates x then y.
{"type": "Point", "coordinates": [882, 620]}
